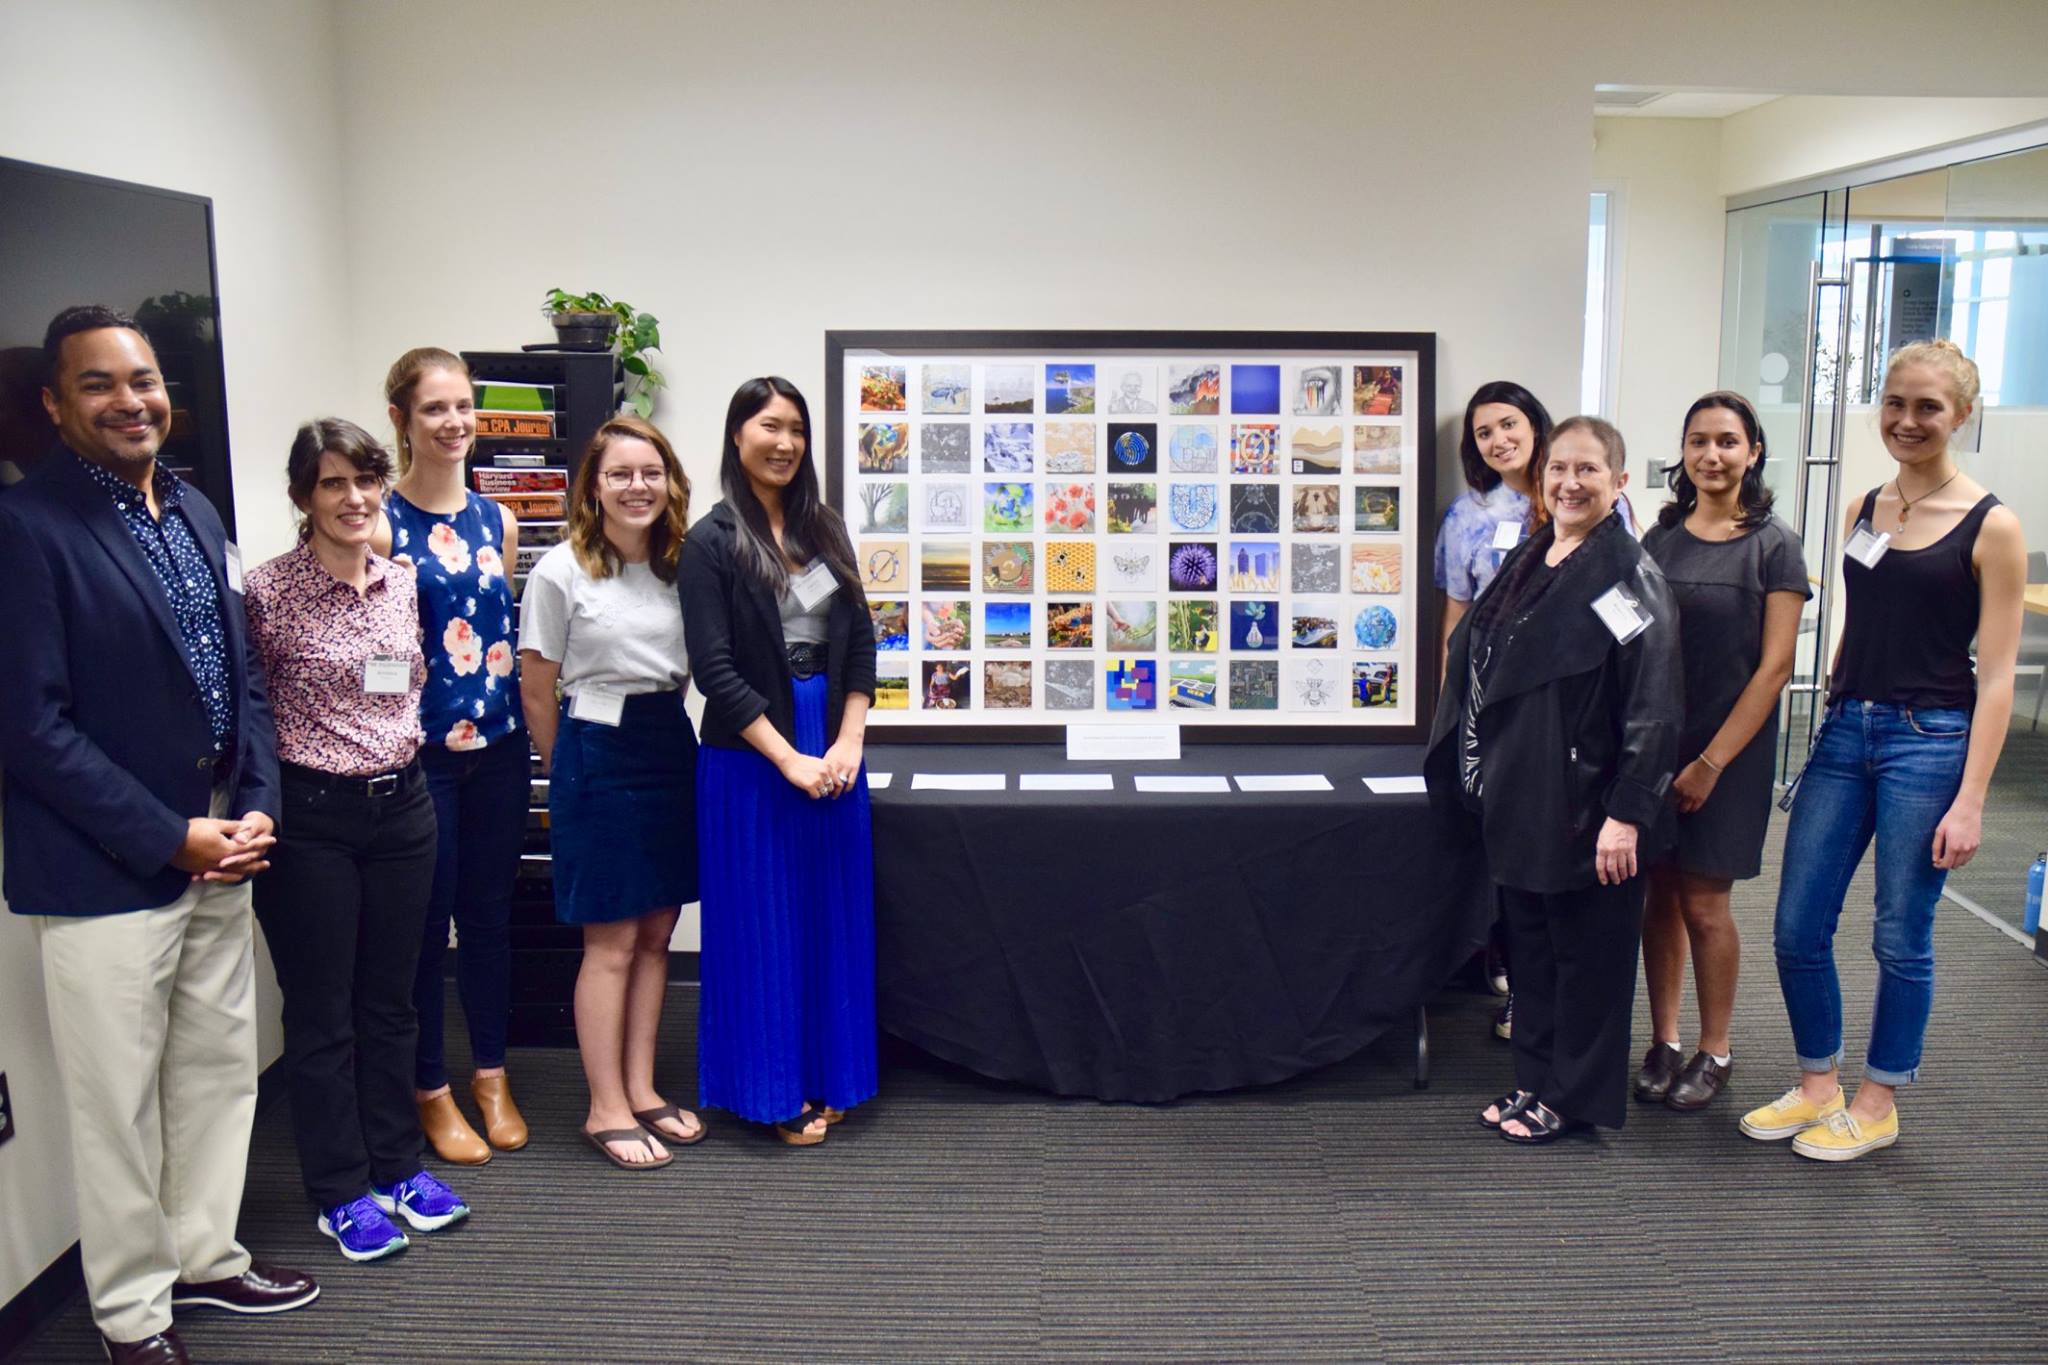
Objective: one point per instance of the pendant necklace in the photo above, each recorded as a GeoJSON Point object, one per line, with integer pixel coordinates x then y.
{"type": "Point", "coordinates": [1906, 507]}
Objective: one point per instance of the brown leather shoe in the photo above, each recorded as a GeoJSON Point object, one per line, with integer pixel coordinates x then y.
{"type": "Point", "coordinates": [259, 1289]}
{"type": "Point", "coordinates": [503, 1124]}
{"type": "Point", "coordinates": [162, 1349]}
{"type": "Point", "coordinates": [449, 1133]}
{"type": "Point", "coordinates": [1660, 1069]}
{"type": "Point", "coordinates": [1697, 1085]}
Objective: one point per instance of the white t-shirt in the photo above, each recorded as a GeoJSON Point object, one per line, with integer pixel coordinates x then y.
{"type": "Point", "coordinates": [623, 633]}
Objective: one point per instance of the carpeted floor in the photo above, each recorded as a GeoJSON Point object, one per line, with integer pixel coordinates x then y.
{"type": "Point", "coordinates": [2015, 822]}
{"type": "Point", "coordinates": [1343, 1216]}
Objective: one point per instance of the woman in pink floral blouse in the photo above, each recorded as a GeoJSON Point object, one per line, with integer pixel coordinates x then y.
{"type": "Point", "coordinates": [338, 631]}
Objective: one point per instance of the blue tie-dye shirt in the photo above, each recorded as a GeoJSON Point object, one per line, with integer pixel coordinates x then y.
{"type": "Point", "coordinates": [471, 697]}
{"type": "Point", "coordinates": [1465, 558]}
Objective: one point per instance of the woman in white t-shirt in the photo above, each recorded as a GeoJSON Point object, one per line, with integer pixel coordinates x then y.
{"type": "Point", "coordinates": [600, 617]}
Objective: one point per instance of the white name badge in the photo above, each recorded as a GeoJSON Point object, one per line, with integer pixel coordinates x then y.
{"type": "Point", "coordinates": [387, 675]}
{"type": "Point", "coordinates": [234, 566]}
{"type": "Point", "coordinates": [1507, 535]}
{"type": "Point", "coordinates": [598, 705]}
{"type": "Point", "coordinates": [814, 585]}
{"type": "Point", "coordinates": [1867, 546]}
{"type": "Point", "coordinates": [1623, 616]}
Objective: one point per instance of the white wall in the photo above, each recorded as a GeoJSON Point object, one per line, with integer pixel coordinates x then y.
{"type": "Point", "coordinates": [236, 101]}
{"type": "Point", "coordinates": [1669, 278]}
{"type": "Point", "coordinates": [1799, 136]}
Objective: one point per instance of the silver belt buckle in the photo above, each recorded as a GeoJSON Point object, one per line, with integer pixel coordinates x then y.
{"type": "Point", "coordinates": [384, 784]}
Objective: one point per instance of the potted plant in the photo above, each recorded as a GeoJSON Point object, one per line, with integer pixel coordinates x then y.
{"type": "Point", "coordinates": [592, 322]}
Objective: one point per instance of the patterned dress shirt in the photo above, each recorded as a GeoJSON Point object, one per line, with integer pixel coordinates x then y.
{"type": "Point", "coordinates": [180, 566]}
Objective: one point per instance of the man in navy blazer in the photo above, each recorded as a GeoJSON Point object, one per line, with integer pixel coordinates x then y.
{"type": "Point", "coordinates": [138, 772]}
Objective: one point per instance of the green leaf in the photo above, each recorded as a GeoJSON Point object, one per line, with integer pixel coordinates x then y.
{"type": "Point", "coordinates": [643, 404]}
{"type": "Point", "coordinates": [635, 365]}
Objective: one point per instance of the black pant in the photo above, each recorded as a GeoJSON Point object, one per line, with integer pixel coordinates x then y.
{"type": "Point", "coordinates": [341, 907]}
{"type": "Point", "coordinates": [1575, 992]}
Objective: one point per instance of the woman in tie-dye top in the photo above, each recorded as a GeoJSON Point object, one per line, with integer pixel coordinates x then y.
{"type": "Point", "coordinates": [462, 547]}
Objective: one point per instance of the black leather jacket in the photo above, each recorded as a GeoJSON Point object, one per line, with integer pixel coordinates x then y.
{"type": "Point", "coordinates": [1573, 727]}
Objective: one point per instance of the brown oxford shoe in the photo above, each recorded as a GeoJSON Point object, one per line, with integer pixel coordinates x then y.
{"type": "Point", "coordinates": [503, 1124]}
{"type": "Point", "coordinates": [1660, 1069]}
{"type": "Point", "coordinates": [1697, 1085]}
{"type": "Point", "coordinates": [162, 1349]}
{"type": "Point", "coordinates": [259, 1289]}
{"type": "Point", "coordinates": [449, 1133]}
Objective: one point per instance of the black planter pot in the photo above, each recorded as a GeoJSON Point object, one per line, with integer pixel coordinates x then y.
{"type": "Point", "coordinates": [585, 331]}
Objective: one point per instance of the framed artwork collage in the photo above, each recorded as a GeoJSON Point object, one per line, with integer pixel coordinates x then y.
{"type": "Point", "coordinates": [1226, 531]}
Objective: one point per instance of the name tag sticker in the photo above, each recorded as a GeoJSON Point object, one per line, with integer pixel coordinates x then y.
{"type": "Point", "coordinates": [234, 566]}
{"type": "Point", "coordinates": [1866, 546]}
{"type": "Point", "coordinates": [814, 585]}
{"type": "Point", "coordinates": [387, 675]}
{"type": "Point", "coordinates": [598, 705]}
{"type": "Point", "coordinates": [1623, 616]}
{"type": "Point", "coordinates": [1507, 535]}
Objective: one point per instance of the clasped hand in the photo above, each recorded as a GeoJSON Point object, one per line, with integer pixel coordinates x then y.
{"type": "Point", "coordinates": [226, 851]}
{"type": "Point", "coordinates": [830, 776]}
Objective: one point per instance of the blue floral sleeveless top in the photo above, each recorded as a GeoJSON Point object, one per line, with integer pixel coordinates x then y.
{"type": "Point", "coordinates": [471, 697]}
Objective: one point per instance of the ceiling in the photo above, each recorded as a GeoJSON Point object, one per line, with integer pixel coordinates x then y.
{"type": "Point", "coordinates": [1637, 101]}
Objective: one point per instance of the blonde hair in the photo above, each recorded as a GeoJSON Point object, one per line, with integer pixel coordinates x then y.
{"type": "Point", "coordinates": [586, 515]}
{"type": "Point", "coordinates": [1943, 355]}
{"type": "Point", "coordinates": [402, 383]}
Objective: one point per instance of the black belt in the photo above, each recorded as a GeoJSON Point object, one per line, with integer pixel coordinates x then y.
{"type": "Point", "coordinates": [806, 659]}
{"type": "Point", "coordinates": [383, 784]}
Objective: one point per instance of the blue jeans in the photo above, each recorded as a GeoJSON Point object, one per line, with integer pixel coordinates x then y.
{"type": "Point", "coordinates": [1876, 770]}
{"type": "Point", "coordinates": [480, 800]}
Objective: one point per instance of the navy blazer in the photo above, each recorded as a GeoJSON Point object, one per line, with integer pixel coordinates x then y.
{"type": "Point", "coordinates": [105, 749]}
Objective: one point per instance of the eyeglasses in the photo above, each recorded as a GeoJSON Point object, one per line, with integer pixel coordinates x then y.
{"type": "Point", "coordinates": [626, 478]}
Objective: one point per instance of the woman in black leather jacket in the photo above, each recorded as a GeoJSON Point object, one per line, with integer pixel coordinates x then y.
{"type": "Point", "coordinates": [1558, 735]}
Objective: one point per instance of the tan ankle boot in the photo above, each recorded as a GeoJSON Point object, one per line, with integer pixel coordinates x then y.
{"type": "Point", "coordinates": [502, 1120]}
{"type": "Point", "coordinates": [449, 1132]}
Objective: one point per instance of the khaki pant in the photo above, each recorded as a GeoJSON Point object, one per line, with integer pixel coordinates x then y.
{"type": "Point", "coordinates": [153, 1017]}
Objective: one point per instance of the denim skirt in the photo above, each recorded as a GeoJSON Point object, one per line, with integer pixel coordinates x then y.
{"type": "Point", "coordinates": [622, 812]}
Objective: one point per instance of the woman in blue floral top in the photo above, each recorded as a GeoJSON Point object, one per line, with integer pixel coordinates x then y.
{"type": "Point", "coordinates": [462, 547]}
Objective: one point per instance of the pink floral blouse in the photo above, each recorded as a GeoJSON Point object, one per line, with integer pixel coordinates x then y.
{"type": "Point", "coordinates": [316, 637]}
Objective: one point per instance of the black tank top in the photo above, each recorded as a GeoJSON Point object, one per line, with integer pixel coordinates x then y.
{"type": "Point", "coordinates": [1911, 620]}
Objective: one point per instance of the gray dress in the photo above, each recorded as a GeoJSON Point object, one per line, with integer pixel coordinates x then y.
{"type": "Point", "coordinates": [1720, 587]}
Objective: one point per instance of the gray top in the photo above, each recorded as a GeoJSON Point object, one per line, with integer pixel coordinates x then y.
{"type": "Point", "coordinates": [623, 633]}
{"type": "Point", "coordinates": [800, 627]}
{"type": "Point", "coordinates": [1720, 586]}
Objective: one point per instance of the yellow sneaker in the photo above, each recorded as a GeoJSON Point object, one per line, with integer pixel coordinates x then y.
{"type": "Point", "coordinates": [1788, 1116]}
{"type": "Point", "coordinates": [1842, 1137]}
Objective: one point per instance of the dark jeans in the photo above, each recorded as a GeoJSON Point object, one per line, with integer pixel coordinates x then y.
{"type": "Point", "coordinates": [480, 799]}
{"type": "Point", "coordinates": [1575, 992]}
{"type": "Point", "coordinates": [341, 907]}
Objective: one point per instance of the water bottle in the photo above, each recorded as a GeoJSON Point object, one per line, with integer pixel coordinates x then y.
{"type": "Point", "coordinates": [2035, 875]}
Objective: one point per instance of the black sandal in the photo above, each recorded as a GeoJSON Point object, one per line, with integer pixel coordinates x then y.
{"type": "Point", "coordinates": [1545, 1125]}
{"type": "Point", "coordinates": [1510, 1105]}
{"type": "Point", "coordinates": [792, 1130]}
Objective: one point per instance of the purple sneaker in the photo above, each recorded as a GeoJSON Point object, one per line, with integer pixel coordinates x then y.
{"type": "Point", "coordinates": [362, 1231]}
{"type": "Point", "coordinates": [422, 1201]}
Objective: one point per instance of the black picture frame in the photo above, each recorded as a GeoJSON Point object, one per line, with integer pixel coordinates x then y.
{"type": "Point", "coordinates": [1423, 344]}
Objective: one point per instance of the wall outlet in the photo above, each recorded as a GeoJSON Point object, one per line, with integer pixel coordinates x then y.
{"type": "Point", "coordinates": [6, 1110]}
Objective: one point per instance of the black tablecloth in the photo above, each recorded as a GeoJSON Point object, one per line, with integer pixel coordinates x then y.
{"type": "Point", "coordinates": [1139, 946]}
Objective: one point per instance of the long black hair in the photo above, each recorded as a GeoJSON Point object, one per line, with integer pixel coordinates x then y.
{"type": "Point", "coordinates": [810, 529]}
{"type": "Point", "coordinates": [1480, 476]}
{"type": "Point", "coordinates": [1752, 499]}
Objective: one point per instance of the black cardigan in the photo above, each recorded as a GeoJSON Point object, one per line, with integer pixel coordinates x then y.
{"type": "Point", "coordinates": [733, 630]}
{"type": "Point", "coordinates": [1574, 727]}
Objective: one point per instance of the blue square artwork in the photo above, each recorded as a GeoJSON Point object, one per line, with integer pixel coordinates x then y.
{"type": "Point", "coordinates": [1255, 388]}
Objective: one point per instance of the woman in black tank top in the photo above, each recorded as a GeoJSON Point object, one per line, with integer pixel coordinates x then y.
{"type": "Point", "coordinates": [1904, 757]}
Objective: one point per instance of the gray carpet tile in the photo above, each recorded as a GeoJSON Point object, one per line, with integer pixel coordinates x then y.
{"type": "Point", "coordinates": [1340, 1216]}
{"type": "Point", "coordinates": [2015, 822]}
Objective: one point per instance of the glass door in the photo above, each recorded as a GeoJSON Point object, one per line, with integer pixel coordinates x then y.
{"type": "Point", "coordinates": [1784, 317]}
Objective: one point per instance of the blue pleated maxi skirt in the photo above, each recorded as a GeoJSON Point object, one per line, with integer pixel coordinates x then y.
{"type": "Point", "coordinates": [787, 961]}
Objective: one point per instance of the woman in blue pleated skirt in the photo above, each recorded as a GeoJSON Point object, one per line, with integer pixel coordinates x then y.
{"type": "Point", "coordinates": [781, 645]}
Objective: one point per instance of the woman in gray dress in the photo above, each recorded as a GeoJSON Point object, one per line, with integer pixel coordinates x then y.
{"type": "Point", "coordinates": [1740, 579]}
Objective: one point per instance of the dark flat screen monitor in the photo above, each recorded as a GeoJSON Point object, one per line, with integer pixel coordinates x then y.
{"type": "Point", "coordinates": [67, 238]}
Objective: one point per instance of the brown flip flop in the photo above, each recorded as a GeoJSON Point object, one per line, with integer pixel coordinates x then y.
{"type": "Point", "coordinates": [601, 1138]}
{"type": "Point", "coordinates": [648, 1118]}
